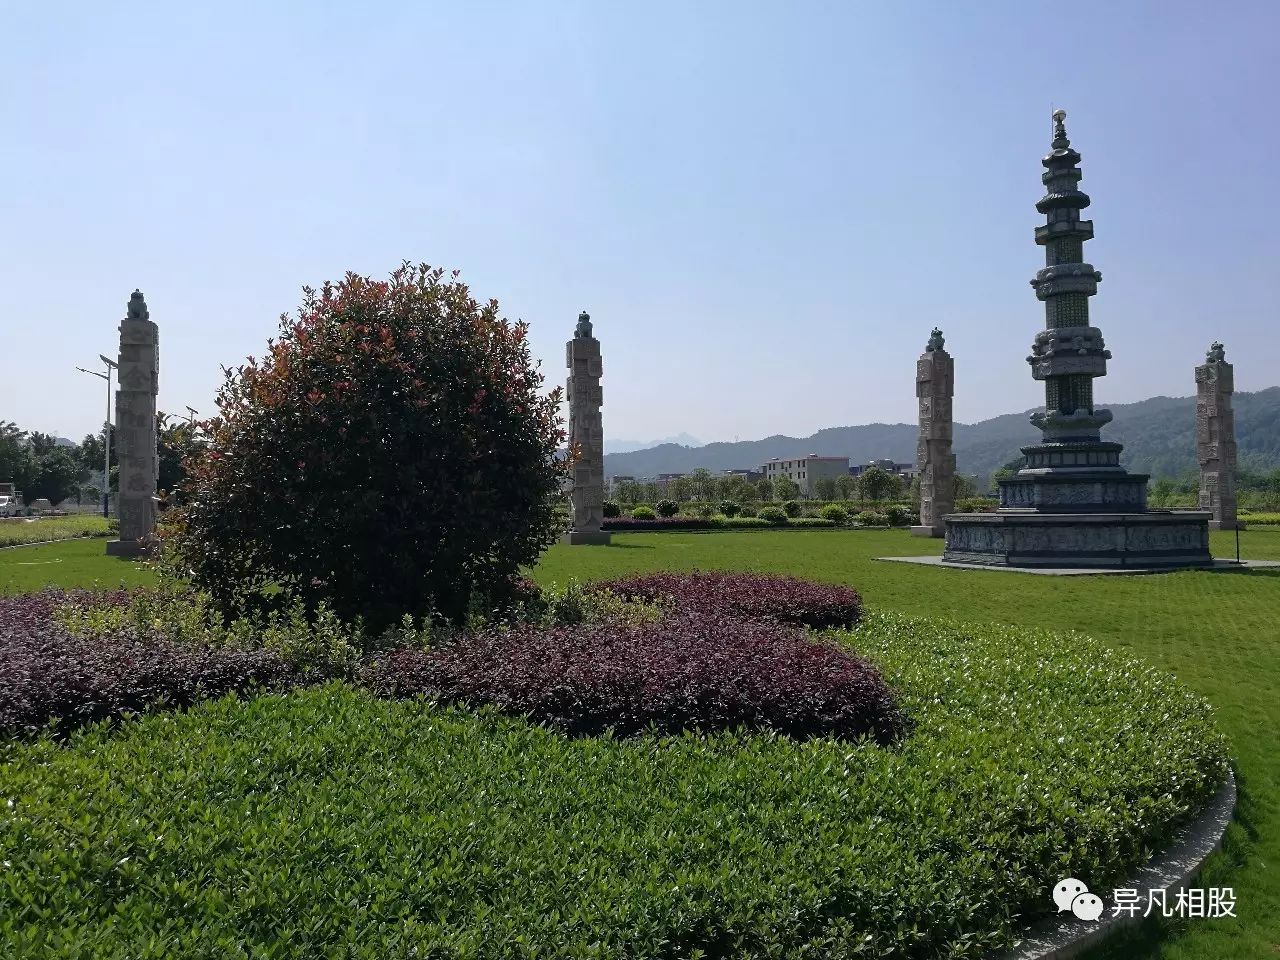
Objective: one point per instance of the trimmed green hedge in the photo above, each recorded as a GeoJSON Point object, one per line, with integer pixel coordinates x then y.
{"type": "Point", "coordinates": [329, 823]}
{"type": "Point", "coordinates": [1260, 519]}
{"type": "Point", "coordinates": [40, 529]}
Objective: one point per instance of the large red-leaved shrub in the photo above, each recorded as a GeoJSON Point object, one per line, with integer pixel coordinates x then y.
{"type": "Point", "coordinates": [392, 453]}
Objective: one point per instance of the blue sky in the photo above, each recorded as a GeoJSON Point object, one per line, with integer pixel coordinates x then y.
{"type": "Point", "coordinates": [765, 208]}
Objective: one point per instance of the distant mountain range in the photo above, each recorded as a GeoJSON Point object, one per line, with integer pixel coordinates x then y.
{"type": "Point", "coordinates": [1158, 434]}
{"type": "Point", "coordinates": [627, 446]}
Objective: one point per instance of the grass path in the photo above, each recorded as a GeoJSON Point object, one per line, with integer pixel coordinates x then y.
{"type": "Point", "coordinates": [1218, 631]}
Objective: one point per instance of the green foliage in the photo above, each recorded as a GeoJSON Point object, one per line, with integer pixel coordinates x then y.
{"type": "Point", "coordinates": [784, 488]}
{"type": "Point", "coordinates": [611, 509]}
{"type": "Point", "coordinates": [56, 476]}
{"type": "Point", "coordinates": [877, 484]}
{"type": "Point", "coordinates": [748, 523]}
{"type": "Point", "coordinates": [392, 454]}
{"type": "Point", "coordinates": [524, 842]}
{"type": "Point", "coordinates": [573, 604]}
{"type": "Point", "coordinates": [665, 508]}
{"type": "Point", "coordinates": [1260, 519]}
{"type": "Point", "coordinates": [834, 513]}
{"type": "Point", "coordinates": [791, 508]}
{"type": "Point", "coordinates": [14, 454]}
{"type": "Point", "coordinates": [813, 522]}
{"type": "Point", "coordinates": [747, 510]}
{"type": "Point", "coordinates": [826, 488]}
{"type": "Point", "coordinates": [870, 518]}
{"type": "Point", "coordinates": [646, 513]}
{"type": "Point", "coordinates": [176, 440]}
{"type": "Point", "coordinates": [41, 529]}
{"type": "Point", "coordinates": [315, 641]}
{"type": "Point", "coordinates": [704, 510]}
{"type": "Point", "coordinates": [730, 508]}
{"type": "Point", "coordinates": [897, 515]}
{"type": "Point", "coordinates": [774, 516]}
{"type": "Point", "coordinates": [37, 466]}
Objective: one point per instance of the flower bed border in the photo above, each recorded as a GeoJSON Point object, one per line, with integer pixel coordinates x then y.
{"type": "Point", "coordinates": [1171, 870]}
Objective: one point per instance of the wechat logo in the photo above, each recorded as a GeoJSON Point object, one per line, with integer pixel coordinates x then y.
{"type": "Point", "coordinates": [1071, 894]}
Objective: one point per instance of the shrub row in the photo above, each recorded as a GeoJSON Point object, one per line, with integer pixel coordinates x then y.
{"type": "Point", "coordinates": [643, 519]}
{"type": "Point", "coordinates": [1260, 519]}
{"type": "Point", "coordinates": [688, 671]}
{"type": "Point", "coordinates": [710, 651]}
{"type": "Point", "coordinates": [750, 595]}
{"type": "Point", "coordinates": [16, 532]}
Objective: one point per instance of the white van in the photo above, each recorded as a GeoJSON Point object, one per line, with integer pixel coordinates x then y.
{"type": "Point", "coordinates": [11, 506]}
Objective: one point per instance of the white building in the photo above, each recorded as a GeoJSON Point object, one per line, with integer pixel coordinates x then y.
{"type": "Point", "coordinates": [806, 471]}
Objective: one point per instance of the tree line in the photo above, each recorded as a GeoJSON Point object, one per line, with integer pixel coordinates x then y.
{"type": "Point", "coordinates": [41, 468]}
{"type": "Point", "coordinates": [875, 485]}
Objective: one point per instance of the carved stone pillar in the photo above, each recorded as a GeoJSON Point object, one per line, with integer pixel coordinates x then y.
{"type": "Point", "coordinates": [586, 435]}
{"type": "Point", "coordinates": [136, 429]}
{"type": "Point", "coordinates": [1216, 438]}
{"type": "Point", "coordinates": [935, 463]}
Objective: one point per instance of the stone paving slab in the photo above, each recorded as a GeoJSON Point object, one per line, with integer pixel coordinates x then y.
{"type": "Point", "coordinates": [1216, 566]}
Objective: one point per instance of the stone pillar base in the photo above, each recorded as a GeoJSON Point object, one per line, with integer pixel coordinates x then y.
{"type": "Point", "coordinates": [126, 548]}
{"type": "Point", "coordinates": [576, 537]}
{"type": "Point", "coordinates": [928, 531]}
{"type": "Point", "coordinates": [1227, 525]}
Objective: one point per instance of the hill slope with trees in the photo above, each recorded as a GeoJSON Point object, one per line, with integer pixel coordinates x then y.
{"type": "Point", "coordinates": [1158, 434]}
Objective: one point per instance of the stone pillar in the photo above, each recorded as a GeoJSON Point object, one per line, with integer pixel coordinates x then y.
{"type": "Point", "coordinates": [935, 463]}
{"type": "Point", "coordinates": [136, 430]}
{"type": "Point", "coordinates": [586, 435]}
{"type": "Point", "coordinates": [1216, 438]}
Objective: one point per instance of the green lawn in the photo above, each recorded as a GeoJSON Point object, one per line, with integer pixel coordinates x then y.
{"type": "Point", "coordinates": [1216, 631]}
{"type": "Point", "coordinates": [71, 563]}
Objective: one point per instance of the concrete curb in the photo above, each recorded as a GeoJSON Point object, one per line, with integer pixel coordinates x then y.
{"type": "Point", "coordinates": [1172, 869]}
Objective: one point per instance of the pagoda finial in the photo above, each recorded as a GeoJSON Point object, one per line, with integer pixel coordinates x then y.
{"type": "Point", "coordinates": [1060, 141]}
{"type": "Point", "coordinates": [1216, 353]}
{"type": "Point", "coordinates": [584, 325]}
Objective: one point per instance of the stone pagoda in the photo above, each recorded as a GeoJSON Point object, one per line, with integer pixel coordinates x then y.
{"type": "Point", "coordinates": [1073, 505]}
{"type": "Point", "coordinates": [1216, 438]}
{"type": "Point", "coordinates": [586, 435]}
{"type": "Point", "coordinates": [935, 463]}
{"type": "Point", "coordinates": [139, 363]}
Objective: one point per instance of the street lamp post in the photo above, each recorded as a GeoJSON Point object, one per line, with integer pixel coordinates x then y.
{"type": "Point", "coordinates": [106, 433]}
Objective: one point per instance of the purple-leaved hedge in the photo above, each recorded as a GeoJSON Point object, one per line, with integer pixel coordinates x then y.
{"type": "Point", "coordinates": [751, 595]}
{"type": "Point", "coordinates": [687, 671]}
{"type": "Point", "coordinates": [48, 676]}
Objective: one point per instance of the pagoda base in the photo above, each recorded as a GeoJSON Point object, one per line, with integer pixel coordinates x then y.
{"type": "Point", "coordinates": [1227, 525]}
{"type": "Point", "coordinates": [1075, 491]}
{"type": "Point", "coordinates": [576, 537]}
{"type": "Point", "coordinates": [1064, 540]}
{"type": "Point", "coordinates": [923, 531]}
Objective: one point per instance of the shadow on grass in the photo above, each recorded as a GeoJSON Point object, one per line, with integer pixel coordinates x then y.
{"type": "Point", "coordinates": [1272, 572]}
